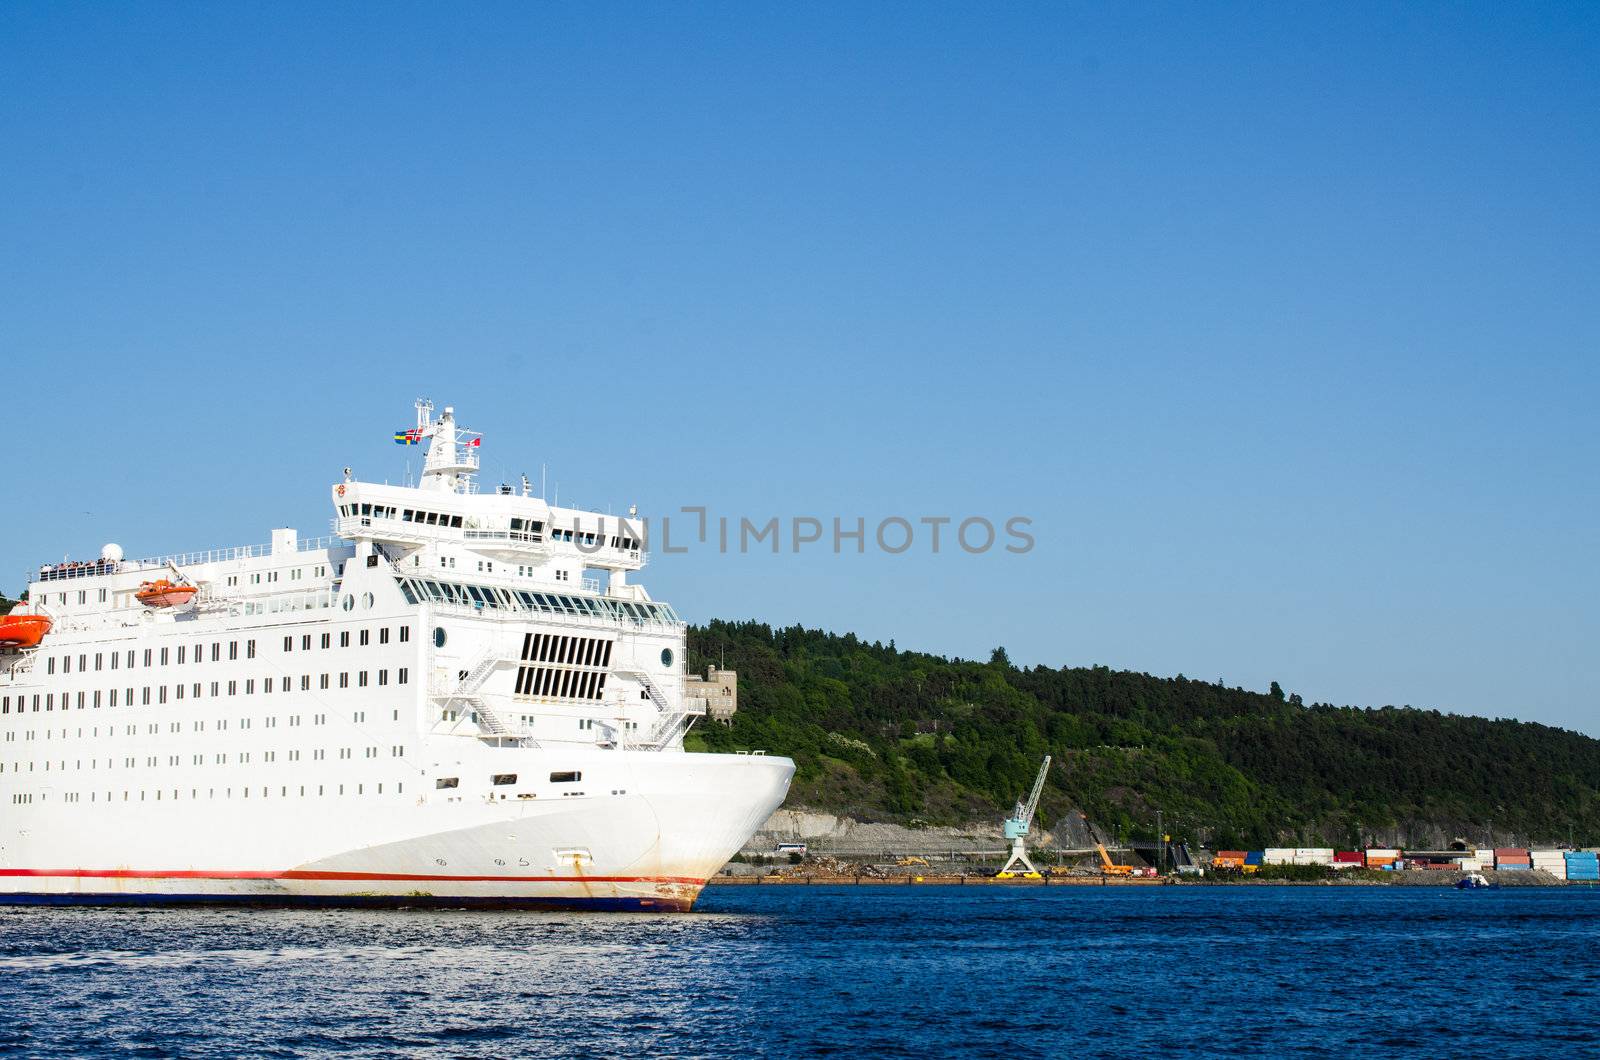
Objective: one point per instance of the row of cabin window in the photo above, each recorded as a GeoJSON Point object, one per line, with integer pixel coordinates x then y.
{"type": "Point", "coordinates": [219, 758]}
{"type": "Point", "coordinates": [25, 798]}
{"type": "Point", "coordinates": [114, 699]}
{"type": "Point", "coordinates": [295, 574]}
{"type": "Point", "coordinates": [364, 638]}
{"type": "Point", "coordinates": [407, 515]}
{"type": "Point", "coordinates": [198, 655]}
{"type": "Point", "coordinates": [586, 537]}
{"type": "Point", "coordinates": [270, 722]}
{"type": "Point", "coordinates": [376, 511]}
{"type": "Point", "coordinates": [431, 518]}
{"type": "Point", "coordinates": [83, 597]}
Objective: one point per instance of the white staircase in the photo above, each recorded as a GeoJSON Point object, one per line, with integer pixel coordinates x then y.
{"type": "Point", "coordinates": [465, 694]}
{"type": "Point", "coordinates": [671, 722]}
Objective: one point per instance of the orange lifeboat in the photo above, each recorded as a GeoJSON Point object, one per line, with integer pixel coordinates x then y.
{"type": "Point", "coordinates": [162, 593]}
{"type": "Point", "coordinates": [23, 631]}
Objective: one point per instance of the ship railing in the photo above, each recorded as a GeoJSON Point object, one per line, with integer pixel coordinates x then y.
{"type": "Point", "coordinates": [50, 572]}
{"type": "Point", "coordinates": [387, 529]}
{"type": "Point", "coordinates": [90, 568]}
{"type": "Point", "coordinates": [510, 537]}
{"type": "Point", "coordinates": [592, 610]}
{"type": "Point", "coordinates": [224, 555]}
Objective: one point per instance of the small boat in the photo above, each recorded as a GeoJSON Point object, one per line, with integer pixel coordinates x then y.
{"type": "Point", "coordinates": [1474, 882]}
{"type": "Point", "coordinates": [162, 593]}
{"type": "Point", "coordinates": [23, 631]}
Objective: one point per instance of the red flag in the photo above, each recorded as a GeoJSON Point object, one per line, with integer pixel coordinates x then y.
{"type": "Point", "coordinates": [476, 442]}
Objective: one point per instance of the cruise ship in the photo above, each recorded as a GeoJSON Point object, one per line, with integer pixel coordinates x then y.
{"type": "Point", "coordinates": [459, 697]}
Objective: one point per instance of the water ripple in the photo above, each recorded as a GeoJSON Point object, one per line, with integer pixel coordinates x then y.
{"type": "Point", "coordinates": [822, 972]}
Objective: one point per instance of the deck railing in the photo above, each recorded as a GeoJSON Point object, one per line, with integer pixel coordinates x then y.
{"type": "Point", "coordinates": [52, 572]}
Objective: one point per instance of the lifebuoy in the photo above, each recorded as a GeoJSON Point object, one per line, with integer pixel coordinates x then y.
{"type": "Point", "coordinates": [341, 489]}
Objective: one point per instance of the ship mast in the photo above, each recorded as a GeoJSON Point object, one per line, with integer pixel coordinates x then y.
{"type": "Point", "coordinates": [452, 452]}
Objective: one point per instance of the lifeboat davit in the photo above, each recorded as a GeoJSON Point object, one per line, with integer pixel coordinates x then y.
{"type": "Point", "coordinates": [162, 593]}
{"type": "Point", "coordinates": [23, 631]}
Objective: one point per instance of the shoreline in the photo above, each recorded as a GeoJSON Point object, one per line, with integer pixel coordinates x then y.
{"type": "Point", "coordinates": [1433, 880]}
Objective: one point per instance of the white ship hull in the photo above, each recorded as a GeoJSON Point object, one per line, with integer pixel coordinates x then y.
{"type": "Point", "coordinates": [652, 848]}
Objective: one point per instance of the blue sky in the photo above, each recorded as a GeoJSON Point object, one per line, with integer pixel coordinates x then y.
{"type": "Point", "coordinates": [1279, 323]}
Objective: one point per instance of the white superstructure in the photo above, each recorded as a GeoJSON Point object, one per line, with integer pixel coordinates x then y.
{"type": "Point", "coordinates": [457, 697]}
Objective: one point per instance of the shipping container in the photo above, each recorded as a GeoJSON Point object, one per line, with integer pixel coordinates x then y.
{"type": "Point", "coordinates": [1513, 867]}
{"type": "Point", "coordinates": [1471, 865]}
{"type": "Point", "coordinates": [1510, 852]}
{"type": "Point", "coordinates": [1382, 852]}
{"type": "Point", "coordinates": [1278, 856]}
{"type": "Point", "coordinates": [1255, 857]}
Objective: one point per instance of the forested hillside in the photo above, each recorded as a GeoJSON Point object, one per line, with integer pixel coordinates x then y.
{"type": "Point", "coordinates": [880, 733]}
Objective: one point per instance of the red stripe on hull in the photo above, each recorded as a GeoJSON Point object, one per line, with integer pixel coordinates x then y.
{"type": "Point", "coordinates": [307, 874]}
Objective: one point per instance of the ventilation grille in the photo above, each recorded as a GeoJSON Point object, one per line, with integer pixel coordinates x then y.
{"type": "Point", "coordinates": [556, 666]}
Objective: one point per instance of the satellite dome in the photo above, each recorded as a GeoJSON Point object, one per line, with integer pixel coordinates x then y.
{"type": "Point", "coordinates": [111, 553]}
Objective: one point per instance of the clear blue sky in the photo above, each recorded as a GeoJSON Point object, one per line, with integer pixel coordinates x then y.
{"type": "Point", "coordinates": [1281, 323]}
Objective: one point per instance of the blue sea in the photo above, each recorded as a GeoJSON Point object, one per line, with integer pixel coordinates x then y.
{"type": "Point", "coordinates": [794, 971]}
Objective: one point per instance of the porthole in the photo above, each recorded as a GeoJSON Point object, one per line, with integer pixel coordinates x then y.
{"type": "Point", "coordinates": [349, 602]}
{"type": "Point", "coordinates": [366, 601]}
{"type": "Point", "coordinates": [438, 636]}
{"type": "Point", "coordinates": [666, 657]}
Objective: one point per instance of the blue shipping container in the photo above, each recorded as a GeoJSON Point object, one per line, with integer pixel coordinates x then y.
{"type": "Point", "coordinates": [1253, 857]}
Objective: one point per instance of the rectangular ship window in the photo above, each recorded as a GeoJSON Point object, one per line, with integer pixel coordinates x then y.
{"type": "Point", "coordinates": [565, 778]}
{"type": "Point", "coordinates": [501, 779]}
{"type": "Point", "coordinates": [447, 782]}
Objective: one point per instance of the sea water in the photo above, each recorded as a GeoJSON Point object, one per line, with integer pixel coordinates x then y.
{"type": "Point", "coordinates": [816, 971]}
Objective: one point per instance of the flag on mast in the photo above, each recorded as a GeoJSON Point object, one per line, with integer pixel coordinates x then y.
{"type": "Point", "coordinates": [411, 437]}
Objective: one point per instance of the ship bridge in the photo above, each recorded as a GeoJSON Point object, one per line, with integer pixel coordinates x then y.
{"type": "Point", "coordinates": [445, 522]}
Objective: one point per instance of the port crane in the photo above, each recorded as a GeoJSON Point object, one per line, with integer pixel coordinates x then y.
{"type": "Point", "coordinates": [1016, 827]}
